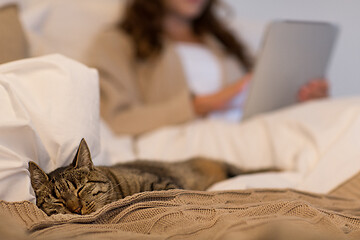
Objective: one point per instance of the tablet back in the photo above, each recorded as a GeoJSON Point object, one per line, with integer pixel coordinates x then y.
{"type": "Point", "coordinates": [293, 53]}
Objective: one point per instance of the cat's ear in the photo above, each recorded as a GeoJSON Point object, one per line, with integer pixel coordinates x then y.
{"type": "Point", "coordinates": [83, 157]}
{"type": "Point", "coordinates": [38, 177]}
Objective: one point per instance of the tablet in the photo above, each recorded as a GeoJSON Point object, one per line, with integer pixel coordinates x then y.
{"type": "Point", "coordinates": [293, 53]}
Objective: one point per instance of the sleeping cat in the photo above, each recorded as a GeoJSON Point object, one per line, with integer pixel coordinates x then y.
{"type": "Point", "coordinates": [82, 188]}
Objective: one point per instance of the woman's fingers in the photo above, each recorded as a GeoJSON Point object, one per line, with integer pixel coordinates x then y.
{"type": "Point", "coordinates": [315, 89]}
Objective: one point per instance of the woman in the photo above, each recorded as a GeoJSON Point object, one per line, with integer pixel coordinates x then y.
{"type": "Point", "coordinates": [171, 61]}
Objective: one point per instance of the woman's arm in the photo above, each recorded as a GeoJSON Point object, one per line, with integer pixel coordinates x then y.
{"type": "Point", "coordinates": [203, 105]}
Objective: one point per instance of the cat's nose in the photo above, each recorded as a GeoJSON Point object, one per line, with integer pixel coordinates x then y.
{"type": "Point", "coordinates": [77, 210]}
{"type": "Point", "coordinates": [74, 205]}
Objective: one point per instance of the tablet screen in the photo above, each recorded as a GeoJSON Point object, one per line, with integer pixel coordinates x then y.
{"type": "Point", "coordinates": [293, 53]}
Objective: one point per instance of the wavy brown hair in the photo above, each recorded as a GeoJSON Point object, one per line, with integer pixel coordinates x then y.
{"type": "Point", "coordinates": [143, 21]}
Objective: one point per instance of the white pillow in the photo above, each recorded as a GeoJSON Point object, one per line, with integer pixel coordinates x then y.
{"type": "Point", "coordinates": [47, 105]}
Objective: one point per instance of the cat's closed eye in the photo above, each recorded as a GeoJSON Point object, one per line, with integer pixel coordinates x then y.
{"type": "Point", "coordinates": [70, 184]}
{"type": "Point", "coordinates": [97, 193]}
{"type": "Point", "coordinates": [61, 203]}
{"type": "Point", "coordinates": [79, 190]}
{"type": "Point", "coordinates": [57, 192]}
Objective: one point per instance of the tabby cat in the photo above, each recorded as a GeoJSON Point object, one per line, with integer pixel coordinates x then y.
{"type": "Point", "coordinates": [82, 188]}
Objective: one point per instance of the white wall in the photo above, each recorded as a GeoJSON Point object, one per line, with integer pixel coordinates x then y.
{"type": "Point", "coordinates": [344, 69]}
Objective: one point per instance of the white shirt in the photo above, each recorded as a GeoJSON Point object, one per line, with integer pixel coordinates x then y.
{"type": "Point", "coordinates": [203, 73]}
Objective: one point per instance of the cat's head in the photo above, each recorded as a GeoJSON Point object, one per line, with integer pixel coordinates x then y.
{"type": "Point", "coordinates": [79, 188]}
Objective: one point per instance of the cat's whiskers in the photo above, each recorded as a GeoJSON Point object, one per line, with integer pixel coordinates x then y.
{"type": "Point", "coordinates": [101, 198]}
{"type": "Point", "coordinates": [91, 207]}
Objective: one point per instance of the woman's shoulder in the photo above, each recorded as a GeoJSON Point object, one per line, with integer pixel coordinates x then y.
{"type": "Point", "coordinates": [114, 37]}
{"type": "Point", "coordinates": [111, 45]}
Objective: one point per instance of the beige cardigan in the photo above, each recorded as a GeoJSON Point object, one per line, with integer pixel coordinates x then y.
{"type": "Point", "coordinates": [137, 97]}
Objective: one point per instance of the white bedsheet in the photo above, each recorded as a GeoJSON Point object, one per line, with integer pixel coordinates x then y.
{"type": "Point", "coordinates": [316, 143]}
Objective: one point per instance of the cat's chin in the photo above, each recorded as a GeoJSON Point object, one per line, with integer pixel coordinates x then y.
{"type": "Point", "coordinates": [55, 212]}
{"type": "Point", "coordinates": [85, 212]}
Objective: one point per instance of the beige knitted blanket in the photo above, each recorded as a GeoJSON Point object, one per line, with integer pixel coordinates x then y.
{"type": "Point", "coordinates": [180, 214]}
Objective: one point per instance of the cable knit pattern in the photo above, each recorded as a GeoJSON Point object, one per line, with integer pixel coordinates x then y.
{"type": "Point", "coordinates": [182, 214]}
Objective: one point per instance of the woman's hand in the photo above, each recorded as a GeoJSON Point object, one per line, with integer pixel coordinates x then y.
{"type": "Point", "coordinates": [220, 100]}
{"type": "Point", "coordinates": [315, 89]}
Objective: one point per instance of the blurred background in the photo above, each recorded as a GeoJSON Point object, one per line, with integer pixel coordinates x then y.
{"type": "Point", "coordinates": [68, 26]}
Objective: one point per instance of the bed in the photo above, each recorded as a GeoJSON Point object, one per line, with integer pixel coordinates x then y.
{"type": "Point", "coordinates": [316, 144]}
